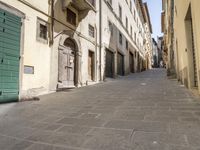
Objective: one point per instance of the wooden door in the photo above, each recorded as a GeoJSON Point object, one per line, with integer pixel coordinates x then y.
{"type": "Point", "coordinates": [10, 35]}
{"type": "Point", "coordinates": [131, 62]}
{"type": "Point", "coordinates": [91, 65]}
{"type": "Point", "coordinates": [120, 64]}
{"type": "Point", "coordinates": [109, 64]}
{"type": "Point", "coordinates": [66, 64]}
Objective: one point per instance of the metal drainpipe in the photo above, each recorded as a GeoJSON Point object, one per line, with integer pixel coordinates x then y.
{"type": "Point", "coordinates": [96, 53]}
{"type": "Point", "coordinates": [52, 22]}
{"type": "Point", "coordinates": [100, 37]}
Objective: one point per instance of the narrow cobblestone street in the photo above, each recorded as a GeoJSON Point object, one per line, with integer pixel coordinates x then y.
{"type": "Point", "coordinates": [143, 111]}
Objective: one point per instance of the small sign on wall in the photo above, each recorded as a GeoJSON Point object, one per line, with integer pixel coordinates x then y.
{"type": "Point", "coordinates": [28, 69]}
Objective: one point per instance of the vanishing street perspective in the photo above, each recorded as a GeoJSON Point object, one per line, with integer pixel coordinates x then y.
{"type": "Point", "coordinates": [99, 75]}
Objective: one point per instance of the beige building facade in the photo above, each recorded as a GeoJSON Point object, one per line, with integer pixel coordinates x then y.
{"type": "Point", "coordinates": [57, 45]}
{"type": "Point", "coordinates": [31, 44]}
{"type": "Point", "coordinates": [74, 61]}
{"type": "Point", "coordinates": [123, 36]}
{"type": "Point", "coordinates": [60, 44]}
{"type": "Point", "coordinates": [148, 38]}
{"type": "Point", "coordinates": [168, 31]}
{"type": "Point", "coordinates": [185, 42]}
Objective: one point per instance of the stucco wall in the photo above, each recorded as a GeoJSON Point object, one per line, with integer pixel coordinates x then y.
{"type": "Point", "coordinates": [183, 40]}
{"type": "Point", "coordinates": [84, 43]}
{"type": "Point", "coordinates": [33, 53]}
{"type": "Point", "coordinates": [112, 42]}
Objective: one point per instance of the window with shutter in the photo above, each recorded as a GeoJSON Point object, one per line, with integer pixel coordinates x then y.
{"type": "Point", "coordinates": [71, 17]}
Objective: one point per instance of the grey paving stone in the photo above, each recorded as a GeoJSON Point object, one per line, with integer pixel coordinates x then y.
{"type": "Point", "coordinates": [129, 115]}
{"type": "Point", "coordinates": [182, 148]}
{"type": "Point", "coordinates": [74, 129]}
{"type": "Point", "coordinates": [144, 111]}
{"type": "Point", "coordinates": [190, 119]}
{"type": "Point", "coordinates": [194, 140]}
{"type": "Point", "coordinates": [161, 118]}
{"type": "Point", "coordinates": [7, 142]}
{"type": "Point", "coordinates": [71, 140]}
{"type": "Point", "coordinates": [18, 132]}
{"type": "Point", "coordinates": [40, 147]}
{"type": "Point", "coordinates": [89, 115]}
{"type": "Point", "coordinates": [84, 122]}
{"type": "Point", "coordinates": [154, 138]}
{"type": "Point", "coordinates": [185, 128]}
{"type": "Point", "coordinates": [52, 127]}
{"type": "Point", "coordinates": [40, 136]}
{"type": "Point", "coordinates": [149, 146]}
{"type": "Point", "coordinates": [40, 125]}
{"type": "Point", "coordinates": [108, 139]}
{"type": "Point", "coordinates": [174, 113]}
{"type": "Point", "coordinates": [21, 145]}
{"type": "Point", "coordinates": [49, 147]}
{"type": "Point", "coordinates": [139, 125]}
{"type": "Point", "coordinates": [51, 119]}
{"type": "Point", "coordinates": [197, 114]}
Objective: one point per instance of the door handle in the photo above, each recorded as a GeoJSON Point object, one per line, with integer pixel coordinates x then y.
{"type": "Point", "coordinates": [2, 61]}
{"type": "Point", "coordinates": [68, 67]}
{"type": "Point", "coordinates": [1, 93]}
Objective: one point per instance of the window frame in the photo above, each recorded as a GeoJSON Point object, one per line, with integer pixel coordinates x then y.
{"type": "Point", "coordinates": [127, 45]}
{"type": "Point", "coordinates": [120, 12]}
{"type": "Point", "coordinates": [110, 25]}
{"type": "Point", "coordinates": [131, 28]}
{"type": "Point", "coordinates": [120, 38]}
{"type": "Point", "coordinates": [131, 6]}
{"type": "Point", "coordinates": [126, 23]}
{"type": "Point", "coordinates": [73, 12]}
{"type": "Point", "coordinates": [90, 32]}
{"type": "Point", "coordinates": [38, 37]}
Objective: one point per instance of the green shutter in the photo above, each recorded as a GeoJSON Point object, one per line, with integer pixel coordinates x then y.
{"type": "Point", "coordinates": [10, 34]}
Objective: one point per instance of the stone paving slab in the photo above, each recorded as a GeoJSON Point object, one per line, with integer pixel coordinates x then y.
{"type": "Point", "coordinates": [142, 111]}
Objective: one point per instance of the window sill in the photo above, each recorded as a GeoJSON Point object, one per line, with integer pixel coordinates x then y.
{"type": "Point", "coordinates": [42, 40]}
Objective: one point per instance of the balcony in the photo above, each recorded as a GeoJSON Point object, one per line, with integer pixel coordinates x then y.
{"type": "Point", "coordinates": [80, 5]}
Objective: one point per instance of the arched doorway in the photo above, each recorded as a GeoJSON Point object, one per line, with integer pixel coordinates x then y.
{"type": "Point", "coordinates": [67, 64]}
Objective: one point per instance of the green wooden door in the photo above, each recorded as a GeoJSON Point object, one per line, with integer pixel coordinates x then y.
{"type": "Point", "coordinates": [10, 34]}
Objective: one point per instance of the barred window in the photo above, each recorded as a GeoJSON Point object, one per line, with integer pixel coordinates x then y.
{"type": "Point", "coordinates": [120, 38]}
{"type": "Point", "coordinates": [91, 30]}
{"type": "Point", "coordinates": [120, 12]}
{"type": "Point", "coordinates": [42, 31]}
{"type": "Point", "coordinates": [126, 23]}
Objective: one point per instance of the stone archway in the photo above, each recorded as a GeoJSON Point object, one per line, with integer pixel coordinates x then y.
{"type": "Point", "coordinates": [67, 63]}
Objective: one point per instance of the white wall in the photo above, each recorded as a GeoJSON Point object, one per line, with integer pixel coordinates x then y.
{"type": "Point", "coordinates": [34, 53]}
{"type": "Point", "coordinates": [112, 14]}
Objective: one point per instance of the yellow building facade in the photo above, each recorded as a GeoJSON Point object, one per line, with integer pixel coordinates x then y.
{"type": "Point", "coordinates": [185, 40]}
